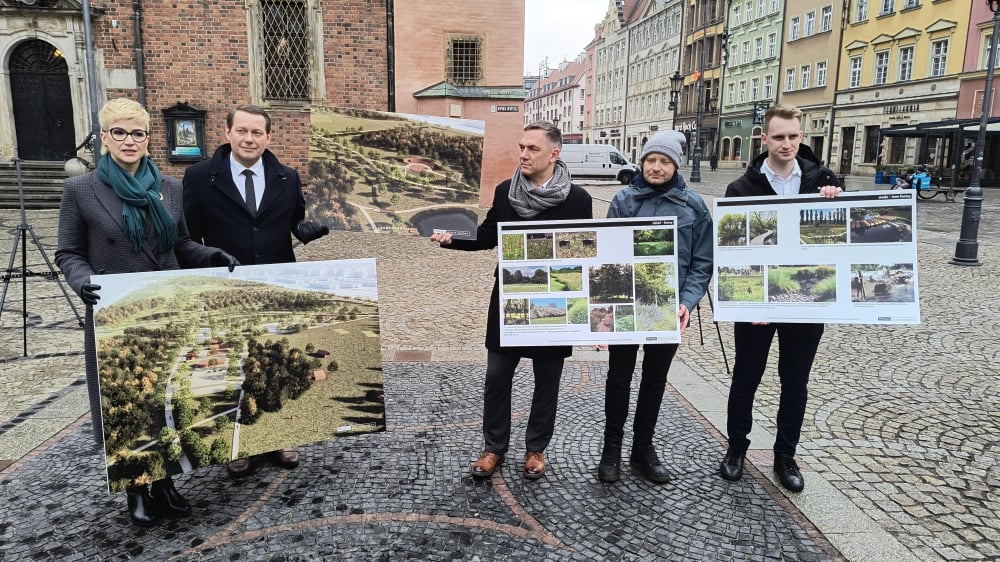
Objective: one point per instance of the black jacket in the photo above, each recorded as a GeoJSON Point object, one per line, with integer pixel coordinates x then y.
{"type": "Point", "coordinates": [753, 182]}
{"type": "Point", "coordinates": [217, 216]}
{"type": "Point", "coordinates": [578, 205]}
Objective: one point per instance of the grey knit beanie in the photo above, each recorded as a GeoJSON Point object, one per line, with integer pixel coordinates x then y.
{"type": "Point", "coordinates": [668, 143]}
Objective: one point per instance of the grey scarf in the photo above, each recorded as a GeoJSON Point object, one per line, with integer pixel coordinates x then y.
{"type": "Point", "coordinates": [528, 200]}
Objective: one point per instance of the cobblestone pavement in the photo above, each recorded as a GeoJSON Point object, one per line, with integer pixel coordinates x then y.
{"type": "Point", "coordinates": [901, 423]}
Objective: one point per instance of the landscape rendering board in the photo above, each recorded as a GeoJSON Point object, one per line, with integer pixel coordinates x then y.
{"type": "Point", "coordinates": [199, 367]}
{"type": "Point", "coordinates": [392, 172]}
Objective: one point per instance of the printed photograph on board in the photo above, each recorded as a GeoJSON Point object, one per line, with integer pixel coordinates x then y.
{"type": "Point", "coordinates": [394, 172]}
{"type": "Point", "coordinates": [203, 366]}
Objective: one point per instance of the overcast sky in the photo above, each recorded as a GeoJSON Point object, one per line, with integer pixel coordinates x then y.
{"type": "Point", "coordinates": [558, 29]}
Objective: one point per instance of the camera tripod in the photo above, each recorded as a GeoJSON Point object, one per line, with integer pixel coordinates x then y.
{"type": "Point", "coordinates": [21, 237]}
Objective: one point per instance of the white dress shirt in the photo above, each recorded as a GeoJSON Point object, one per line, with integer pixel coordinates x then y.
{"type": "Point", "coordinates": [240, 180]}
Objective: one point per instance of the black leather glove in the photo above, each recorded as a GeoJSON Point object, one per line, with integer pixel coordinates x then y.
{"type": "Point", "coordinates": [88, 293]}
{"type": "Point", "coordinates": [222, 258]}
{"type": "Point", "coordinates": [309, 230]}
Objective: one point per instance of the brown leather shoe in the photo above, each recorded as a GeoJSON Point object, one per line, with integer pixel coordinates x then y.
{"type": "Point", "coordinates": [239, 468]}
{"type": "Point", "coordinates": [486, 465]}
{"type": "Point", "coordinates": [534, 465]}
{"type": "Point", "coordinates": [286, 458]}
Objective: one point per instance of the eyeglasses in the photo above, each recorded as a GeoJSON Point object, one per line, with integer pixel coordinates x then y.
{"type": "Point", "coordinates": [137, 135]}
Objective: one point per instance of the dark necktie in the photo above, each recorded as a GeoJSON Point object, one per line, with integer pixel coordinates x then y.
{"type": "Point", "coordinates": [251, 196]}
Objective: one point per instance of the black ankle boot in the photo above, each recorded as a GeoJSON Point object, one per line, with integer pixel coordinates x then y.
{"type": "Point", "coordinates": [168, 500]}
{"type": "Point", "coordinates": [644, 459]}
{"type": "Point", "coordinates": [610, 469]}
{"type": "Point", "coordinates": [140, 507]}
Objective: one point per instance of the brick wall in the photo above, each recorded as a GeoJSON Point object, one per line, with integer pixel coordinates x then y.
{"type": "Point", "coordinates": [198, 52]}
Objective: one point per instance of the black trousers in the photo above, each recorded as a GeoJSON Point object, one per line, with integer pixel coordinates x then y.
{"type": "Point", "coordinates": [500, 369]}
{"type": "Point", "coordinates": [621, 365]}
{"type": "Point", "coordinates": [797, 344]}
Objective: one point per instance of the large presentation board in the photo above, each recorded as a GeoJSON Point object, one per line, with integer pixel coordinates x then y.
{"type": "Point", "coordinates": [202, 366]}
{"type": "Point", "coordinates": [599, 281]}
{"type": "Point", "coordinates": [807, 258]}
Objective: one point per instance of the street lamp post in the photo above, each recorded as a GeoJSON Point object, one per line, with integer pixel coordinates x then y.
{"type": "Point", "coordinates": [700, 109]}
{"type": "Point", "coordinates": [967, 249]}
{"type": "Point", "coordinates": [676, 81]}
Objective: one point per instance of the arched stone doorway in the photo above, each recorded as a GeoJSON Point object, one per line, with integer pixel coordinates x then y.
{"type": "Point", "coordinates": [41, 100]}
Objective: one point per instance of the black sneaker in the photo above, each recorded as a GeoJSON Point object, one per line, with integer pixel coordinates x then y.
{"type": "Point", "coordinates": [731, 467]}
{"type": "Point", "coordinates": [788, 473]}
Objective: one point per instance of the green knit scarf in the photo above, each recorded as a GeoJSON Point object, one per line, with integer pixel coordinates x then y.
{"type": "Point", "coordinates": [140, 195]}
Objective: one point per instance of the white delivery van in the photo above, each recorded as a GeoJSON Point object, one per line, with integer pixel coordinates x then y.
{"type": "Point", "coordinates": [601, 161]}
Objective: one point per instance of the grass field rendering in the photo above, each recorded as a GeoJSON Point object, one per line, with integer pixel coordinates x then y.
{"type": "Point", "coordinates": [741, 284]}
{"type": "Point", "coordinates": [530, 279]}
{"type": "Point", "coordinates": [823, 226]}
{"type": "Point", "coordinates": [198, 367]}
{"type": "Point", "coordinates": [801, 283]}
{"type": "Point", "coordinates": [393, 172]}
{"type": "Point", "coordinates": [567, 277]}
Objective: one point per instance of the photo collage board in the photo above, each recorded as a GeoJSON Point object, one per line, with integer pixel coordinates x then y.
{"type": "Point", "coordinates": [807, 258]}
{"type": "Point", "coordinates": [586, 282]}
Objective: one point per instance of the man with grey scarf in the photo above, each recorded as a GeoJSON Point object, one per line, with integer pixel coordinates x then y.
{"type": "Point", "coordinates": [540, 189]}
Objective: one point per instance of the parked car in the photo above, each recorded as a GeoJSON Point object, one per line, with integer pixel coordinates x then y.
{"type": "Point", "coordinates": [601, 161]}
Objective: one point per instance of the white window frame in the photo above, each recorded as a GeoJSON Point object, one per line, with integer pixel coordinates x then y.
{"type": "Point", "coordinates": [789, 79]}
{"type": "Point", "coordinates": [861, 11]}
{"type": "Point", "coordinates": [758, 48]}
{"type": "Point", "coordinates": [881, 75]}
{"type": "Point", "coordinates": [939, 57]}
{"type": "Point", "coordinates": [905, 64]}
{"type": "Point", "coordinates": [793, 28]}
{"type": "Point", "coordinates": [810, 23]}
{"type": "Point", "coordinates": [888, 7]}
{"type": "Point", "coordinates": [731, 94]}
{"type": "Point", "coordinates": [826, 19]}
{"type": "Point", "coordinates": [806, 75]}
{"type": "Point", "coordinates": [754, 89]}
{"type": "Point", "coordinates": [772, 45]}
{"type": "Point", "coordinates": [768, 86]}
{"type": "Point", "coordinates": [743, 91]}
{"type": "Point", "coordinates": [746, 52]}
{"type": "Point", "coordinates": [736, 16]}
{"type": "Point", "coordinates": [854, 74]}
{"type": "Point", "coordinates": [821, 74]}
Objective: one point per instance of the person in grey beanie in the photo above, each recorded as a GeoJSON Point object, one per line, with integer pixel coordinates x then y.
{"type": "Point", "coordinates": [659, 191]}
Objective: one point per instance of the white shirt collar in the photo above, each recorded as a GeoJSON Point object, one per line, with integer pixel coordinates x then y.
{"type": "Point", "coordinates": [237, 168]}
{"type": "Point", "coordinates": [783, 186]}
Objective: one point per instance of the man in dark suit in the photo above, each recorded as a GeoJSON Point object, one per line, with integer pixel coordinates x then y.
{"type": "Point", "coordinates": [246, 202]}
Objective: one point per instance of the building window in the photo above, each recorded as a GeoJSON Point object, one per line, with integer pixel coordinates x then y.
{"type": "Point", "coordinates": [789, 79]}
{"type": "Point", "coordinates": [939, 57]}
{"type": "Point", "coordinates": [743, 91]}
{"type": "Point", "coordinates": [806, 71]}
{"type": "Point", "coordinates": [768, 86]}
{"type": "Point", "coordinates": [772, 45]}
{"type": "Point", "coordinates": [774, 6]}
{"type": "Point", "coordinates": [984, 49]}
{"type": "Point", "coordinates": [731, 94]}
{"type": "Point", "coordinates": [746, 52]}
{"type": "Point", "coordinates": [888, 7]}
{"type": "Point", "coordinates": [872, 135]}
{"type": "Point", "coordinates": [826, 18]}
{"type": "Point", "coordinates": [463, 61]}
{"type": "Point", "coordinates": [907, 4]}
{"type": "Point", "coordinates": [758, 48]}
{"type": "Point", "coordinates": [284, 50]}
{"type": "Point", "coordinates": [736, 16]}
{"type": "Point", "coordinates": [748, 12]}
{"type": "Point", "coordinates": [793, 29]}
{"type": "Point", "coordinates": [861, 13]}
{"type": "Point", "coordinates": [905, 64]}
{"type": "Point", "coordinates": [854, 75]}
{"type": "Point", "coordinates": [754, 89]}
{"type": "Point", "coordinates": [760, 8]}
{"type": "Point", "coordinates": [882, 67]}
{"type": "Point", "coordinates": [821, 74]}
{"type": "Point", "coordinates": [810, 23]}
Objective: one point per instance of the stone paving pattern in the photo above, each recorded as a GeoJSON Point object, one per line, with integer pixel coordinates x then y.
{"type": "Point", "coordinates": [901, 419]}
